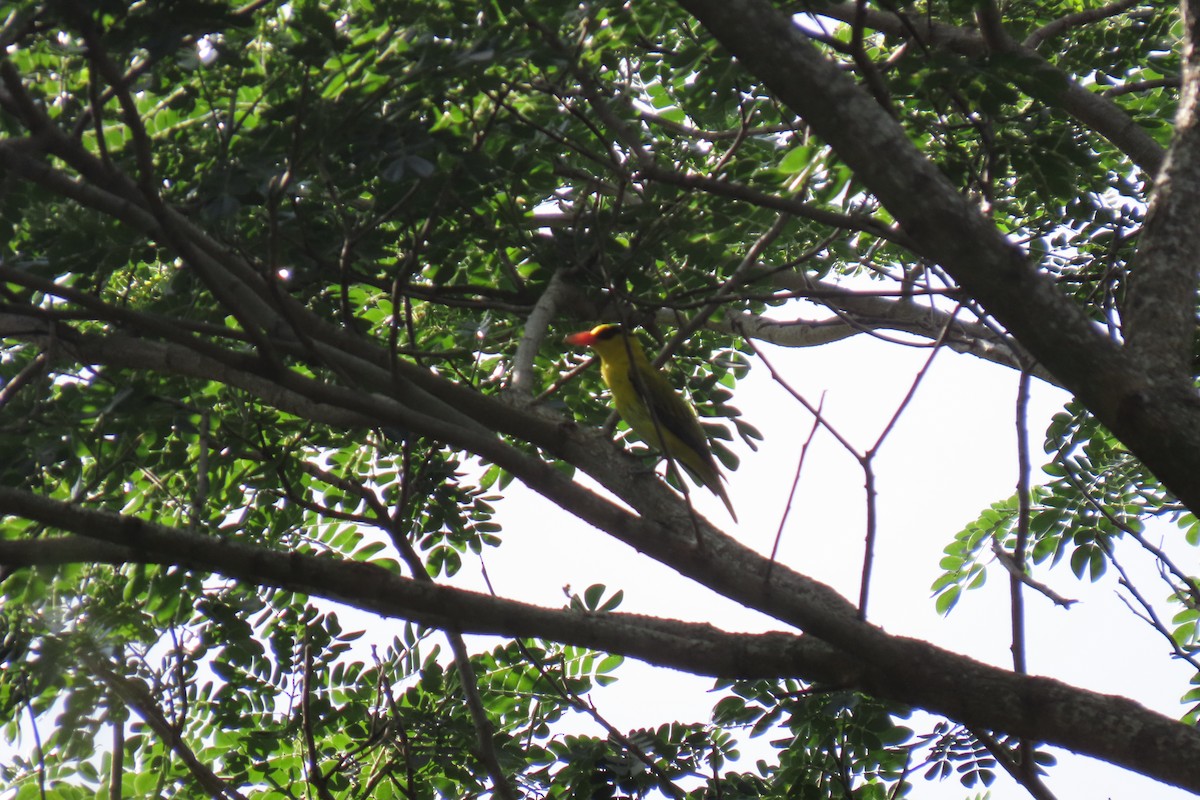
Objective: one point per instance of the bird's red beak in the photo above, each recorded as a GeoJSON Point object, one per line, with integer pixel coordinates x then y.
{"type": "Point", "coordinates": [582, 339]}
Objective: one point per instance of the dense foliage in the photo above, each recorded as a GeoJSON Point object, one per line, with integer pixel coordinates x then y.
{"type": "Point", "coordinates": [271, 275]}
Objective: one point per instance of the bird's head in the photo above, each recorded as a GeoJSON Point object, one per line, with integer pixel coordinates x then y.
{"type": "Point", "coordinates": [600, 333]}
{"type": "Point", "coordinates": [609, 341]}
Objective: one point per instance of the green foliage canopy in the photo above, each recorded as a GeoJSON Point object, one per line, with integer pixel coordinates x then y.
{"type": "Point", "coordinates": [271, 273]}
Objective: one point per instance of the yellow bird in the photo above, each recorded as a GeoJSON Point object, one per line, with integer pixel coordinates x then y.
{"type": "Point", "coordinates": [646, 400]}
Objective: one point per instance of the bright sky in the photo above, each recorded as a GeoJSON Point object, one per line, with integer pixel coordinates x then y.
{"type": "Point", "coordinates": [952, 454]}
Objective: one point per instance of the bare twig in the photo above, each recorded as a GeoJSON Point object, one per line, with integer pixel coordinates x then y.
{"type": "Point", "coordinates": [1022, 770]}
{"type": "Point", "coordinates": [1016, 599]}
{"type": "Point", "coordinates": [795, 484]}
{"type": "Point", "coordinates": [1148, 614]}
{"type": "Point", "coordinates": [1006, 561]}
{"type": "Point", "coordinates": [867, 461]}
{"type": "Point", "coordinates": [28, 373]}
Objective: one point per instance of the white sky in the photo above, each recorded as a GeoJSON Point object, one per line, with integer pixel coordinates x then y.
{"type": "Point", "coordinates": [952, 454]}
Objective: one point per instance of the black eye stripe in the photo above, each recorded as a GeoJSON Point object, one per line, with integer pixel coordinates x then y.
{"type": "Point", "coordinates": [609, 332]}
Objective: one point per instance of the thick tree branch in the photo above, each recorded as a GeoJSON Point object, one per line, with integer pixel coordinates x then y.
{"type": "Point", "coordinates": [105, 537]}
{"type": "Point", "coordinates": [1160, 309]}
{"type": "Point", "coordinates": [859, 312]}
{"type": "Point", "coordinates": [890, 667]}
{"type": "Point", "coordinates": [234, 283]}
{"type": "Point", "coordinates": [1160, 422]}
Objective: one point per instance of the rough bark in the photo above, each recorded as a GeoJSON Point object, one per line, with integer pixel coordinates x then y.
{"type": "Point", "coordinates": [890, 667]}
{"type": "Point", "coordinates": [1157, 418]}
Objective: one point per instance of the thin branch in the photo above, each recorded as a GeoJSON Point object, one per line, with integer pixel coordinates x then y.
{"type": "Point", "coordinates": [1006, 561]}
{"type": "Point", "coordinates": [135, 695]}
{"type": "Point", "coordinates": [1190, 586]}
{"type": "Point", "coordinates": [738, 191]}
{"type": "Point", "coordinates": [234, 283]}
{"type": "Point", "coordinates": [1075, 20]}
{"type": "Point", "coordinates": [715, 136]}
{"type": "Point", "coordinates": [787, 509]}
{"type": "Point", "coordinates": [116, 770]}
{"type": "Point", "coordinates": [534, 331]}
{"type": "Point", "coordinates": [1022, 770]}
{"type": "Point", "coordinates": [28, 374]}
{"type": "Point", "coordinates": [816, 412]}
{"type": "Point", "coordinates": [39, 753]}
{"type": "Point", "coordinates": [1171, 82]}
{"type": "Point", "coordinates": [666, 785]}
{"type": "Point", "coordinates": [912, 389]}
{"type": "Point", "coordinates": [484, 730]}
{"type": "Point", "coordinates": [485, 747]}
{"type": "Point", "coordinates": [1149, 615]}
{"type": "Point", "coordinates": [864, 311]}
{"type": "Point", "coordinates": [866, 67]}
{"type": "Point", "coordinates": [16, 158]}
{"type": "Point", "coordinates": [316, 776]}
{"type": "Point", "coordinates": [101, 63]}
{"type": "Point", "coordinates": [867, 461]}
{"type": "Point", "coordinates": [738, 277]}
{"type": "Point", "coordinates": [1016, 599]}
{"type": "Point", "coordinates": [1153, 413]}
{"type": "Point", "coordinates": [565, 378]}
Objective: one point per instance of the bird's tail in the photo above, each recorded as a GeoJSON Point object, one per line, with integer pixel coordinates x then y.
{"type": "Point", "coordinates": [718, 489]}
{"type": "Point", "coordinates": [712, 479]}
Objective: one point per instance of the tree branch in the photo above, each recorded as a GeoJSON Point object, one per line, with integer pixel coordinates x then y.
{"type": "Point", "coordinates": [534, 332]}
{"type": "Point", "coordinates": [1160, 307]}
{"type": "Point", "coordinates": [1157, 420]}
{"type": "Point", "coordinates": [796, 208]}
{"type": "Point", "coordinates": [1075, 20]}
{"type": "Point", "coordinates": [861, 312]}
{"type": "Point", "coordinates": [135, 695]}
{"type": "Point", "coordinates": [1090, 108]}
{"type": "Point", "coordinates": [889, 667]}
